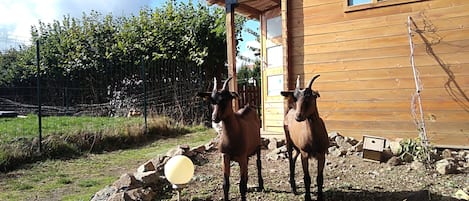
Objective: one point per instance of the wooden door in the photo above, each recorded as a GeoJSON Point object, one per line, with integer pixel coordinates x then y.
{"type": "Point", "coordinates": [272, 72]}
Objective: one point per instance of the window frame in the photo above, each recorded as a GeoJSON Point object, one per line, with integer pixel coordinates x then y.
{"type": "Point", "coordinates": [376, 4]}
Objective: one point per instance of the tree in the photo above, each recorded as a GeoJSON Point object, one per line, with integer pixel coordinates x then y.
{"type": "Point", "coordinates": [98, 51]}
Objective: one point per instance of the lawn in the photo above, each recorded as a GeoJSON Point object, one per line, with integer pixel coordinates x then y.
{"type": "Point", "coordinates": [79, 179]}
{"type": "Point", "coordinates": [11, 128]}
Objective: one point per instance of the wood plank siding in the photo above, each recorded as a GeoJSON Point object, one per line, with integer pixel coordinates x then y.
{"type": "Point", "coordinates": [367, 82]}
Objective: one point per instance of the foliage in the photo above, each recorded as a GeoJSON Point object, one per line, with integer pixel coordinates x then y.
{"type": "Point", "coordinates": [245, 73]}
{"type": "Point", "coordinates": [83, 51]}
{"type": "Point", "coordinates": [413, 149]}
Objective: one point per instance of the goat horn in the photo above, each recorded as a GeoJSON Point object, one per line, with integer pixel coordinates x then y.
{"type": "Point", "coordinates": [214, 84]}
{"type": "Point", "coordinates": [226, 84]}
{"type": "Point", "coordinates": [298, 82]}
{"type": "Point", "coordinates": [312, 80]}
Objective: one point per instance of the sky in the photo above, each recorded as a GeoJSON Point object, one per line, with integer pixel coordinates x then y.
{"type": "Point", "coordinates": [17, 16]}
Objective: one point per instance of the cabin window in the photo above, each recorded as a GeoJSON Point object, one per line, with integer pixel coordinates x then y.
{"type": "Point", "coordinates": [355, 5]}
{"type": "Point", "coordinates": [274, 85]}
{"type": "Point", "coordinates": [358, 2]}
{"type": "Point", "coordinates": [274, 56]}
{"type": "Point", "coordinates": [274, 48]}
{"type": "Point", "coordinates": [274, 27]}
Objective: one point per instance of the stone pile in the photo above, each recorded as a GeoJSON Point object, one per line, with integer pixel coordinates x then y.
{"type": "Point", "coordinates": [338, 146]}
{"type": "Point", "coordinates": [148, 181]}
{"type": "Point", "coordinates": [446, 161]}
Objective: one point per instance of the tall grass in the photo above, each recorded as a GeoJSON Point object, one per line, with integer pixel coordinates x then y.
{"type": "Point", "coordinates": [65, 137]}
{"type": "Point", "coordinates": [11, 128]}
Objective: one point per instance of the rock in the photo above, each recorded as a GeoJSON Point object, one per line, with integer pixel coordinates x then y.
{"type": "Point", "coordinates": [339, 140]}
{"type": "Point", "coordinates": [446, 166]}
{"type": "Point", "coordinates": [190, 153]}
{"type": "Point", "coordinates": [418, 166]}
{"type": "Point", "coordinates": [394, 161]}
{"type": "Point", "coordinates": [121, 196]}
{"type": "Point", "coordinates": [460, 194]}
{"type": "Point", "coordinates": [104, 194]}
{"type": "Point", "coordinates": [198, 149]}
{"type": "Point", "coordinates": [175, 152]}
{"type": "Point", "coordinates": [272, 156]}
{"type": "Point", "coordinates": [352, 141]}
{"type": "Point", "coordinates": [446, 153]}
{"type": "Point", "coordinates": [386, 154]}
{"type": "Point", "coordinates": [210, 146]}
{"type": "Point", "coordinates": [276, 154]}
{"type": "Point", "coordinates": [333, 134]}
{"type": "Point", "coordinates": [358, 147]}
{"type": "Point", "coordinates": [406, 157]}
{"type": "Point", "coordinates": [147, 166]}
{"type": "Point", "coordinates": [395, 147]}
{"type": "Point", "coordinates": [141, 194]}
{"type": "Point", "coordinates": [343, 142]}
{"type": "Point", "coordinates": [159, 162]}
{"type": "Point", "coordinates": [147, 178]}
{"type": "Point", "coordinates": [264, 143]}
{"type": "Point", "coordinates": [126, 181]}
{"type": "Point", "coordinates": [184, 147]}
{"type": "Point", "coordinates": [273, 144]}
{"type": "Point", "coordinates": [331, 149]}
{"type": "Point", "coordinates": [338, 152]}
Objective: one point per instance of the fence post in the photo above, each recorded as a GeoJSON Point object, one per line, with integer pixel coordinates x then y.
{"type": "Point", "coordinates": [144, 96]}
{"type": "Point", "coordinates": [39, 112]}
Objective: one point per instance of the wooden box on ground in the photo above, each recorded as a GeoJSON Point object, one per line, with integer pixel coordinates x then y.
{"type": "Point", "coordinates": [373, 148]}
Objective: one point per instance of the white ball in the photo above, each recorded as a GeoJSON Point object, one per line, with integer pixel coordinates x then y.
{"type": "Point", "coordinates": [179, 169]}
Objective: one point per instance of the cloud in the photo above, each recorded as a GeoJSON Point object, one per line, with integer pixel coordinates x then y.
{"type": "Point", "coordinates": [117, 7]}
{"type": "Point", "coordinates": [17, 17]}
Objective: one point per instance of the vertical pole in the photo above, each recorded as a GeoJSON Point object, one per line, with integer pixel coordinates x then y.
{"type": "Point", "coordinates": [144, 96]}
{"type": "Point", "coordinates": [39, 112]}
{"type": "Point", "coordinates": [231, 47]}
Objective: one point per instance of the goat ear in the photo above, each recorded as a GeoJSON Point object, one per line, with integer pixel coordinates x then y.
{"type": "Point", "coordinates": [234, 94]}
{"type": "Point", "coordinates": [287, 93]}
{"type": "Point", "coordinates": [204, 94]}
{"type": "Point", "coordinates": [316, 93]}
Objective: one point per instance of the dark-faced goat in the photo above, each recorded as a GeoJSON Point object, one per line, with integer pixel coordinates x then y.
{"type": "Point", "coordinates": [306, 133]}
{"type": "Point", "coordinates": [239, 137]}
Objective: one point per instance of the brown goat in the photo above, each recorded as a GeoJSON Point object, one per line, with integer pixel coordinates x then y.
{"type": "Point", "coordinates": [306, 133]}
{"type": "Point", "coordinates": [239, 137]}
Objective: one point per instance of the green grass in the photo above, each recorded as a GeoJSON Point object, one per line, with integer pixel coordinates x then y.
{"type": "Point", "coordinates": [79, 179]}
{"type": "Point", "coordinates": [11, 128]}
{"type": "Point", "coordinates": [66, 137]}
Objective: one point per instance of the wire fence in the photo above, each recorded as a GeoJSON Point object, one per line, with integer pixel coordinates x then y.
{"type": "Point", "coordinates": [140, 89]}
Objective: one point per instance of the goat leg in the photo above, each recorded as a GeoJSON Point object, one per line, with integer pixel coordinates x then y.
{"type": "Point", "coordinates": [259, 171]}
{"type": "Point", "coordinates": [243, 183]}
{"type": "Point", "coordinates": [306, 177]}
{"type": "Point", "coordinates": [226, 175]}
{"type": "Point", "coordinates": [320, 178]}
{"type": "Point", "coordinates": [291, 161]}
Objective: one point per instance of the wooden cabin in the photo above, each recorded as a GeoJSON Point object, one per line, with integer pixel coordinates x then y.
{"type": "Point", "coordinates": [361, 49]}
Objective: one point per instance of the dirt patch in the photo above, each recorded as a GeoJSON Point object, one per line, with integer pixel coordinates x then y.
{"type": "Point", "coordinates": [345, 178]}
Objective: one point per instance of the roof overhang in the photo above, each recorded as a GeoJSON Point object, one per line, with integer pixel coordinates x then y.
{"type": "Point", "coordinates": [249, 8]}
